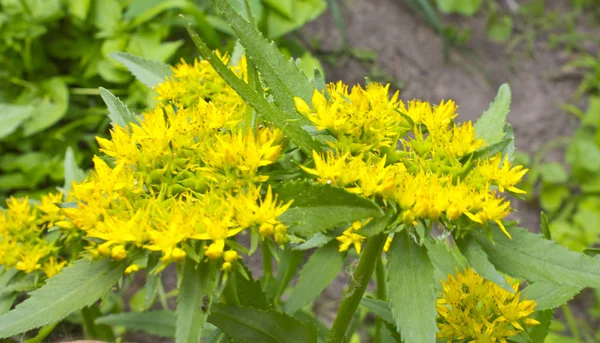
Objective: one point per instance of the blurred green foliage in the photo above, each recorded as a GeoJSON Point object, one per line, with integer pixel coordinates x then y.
{"type": "Point", "coordinates": [54, 54]}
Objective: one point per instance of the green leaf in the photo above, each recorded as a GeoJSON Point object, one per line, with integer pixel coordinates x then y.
{"type": "Point", "coordinates": [253, 325]}
{"type": "Point", "coordinates": [448, 259]}
{"type": "Point", "coordinates": [52, 107]}
{"type": "Point", "coordinates": [376, 226]}
{"type": "Point", "coordinates": [411, 293]}
{"type": "Point", "coordinates": [544, 227]}
{"type": "Point", "coordinates": [249, 292]}
{"type": "Point", "coordinates": [72, 172]}
{"type": "Point", "coordinates": [548, 295]}
{"type": "Point", "coordinates": [159, 323]}
{"type": "Point", "coordinates": [289, 123]}
{"type": "Point", "coordinates": [499, 29]}
{"type": "Point", "coordinates": [78, 285]}
{"type": "Point", "coordinates": [148, 72]}
{"type": "Point", "coordinates": [79, 8]}
{"type": "Point", "coordinates": [486, 152]}
{"type": "Point", "coordinates": [465, 7]}
{"type": "Point", "coordinates": [117, 111]}
{"type": "Point", "coordinates": [281, 75]}
{"type": "Point", "coordinates": [379, 308]}
{"type": "Point", "coordinates": [491, 125]}
{"type": "Point", "coordinates": [553, 172]}
{"type": "Point", "coordinates": [91, 328]}
{"type": "Point", "coordinates": [478, 260]}
{"type": "Point", "coordinates": [552, 196]}
{"type": "Point", "coordinates": [12, 116]}
{"type": "Point", "coordinates": [196, 294]}
{"type": "Point", "coordinates": [289, 262]}
{"type": "Point", "coordinates": [319, 271]}
{"type": "Point", "coordinates": [532, 257]}
{"type": "Point", "coordinates": [319, 207]}
{"type": "Point", "coordinates": [539, 332]}
{"type": "Point", "coordinates": [303, 11]}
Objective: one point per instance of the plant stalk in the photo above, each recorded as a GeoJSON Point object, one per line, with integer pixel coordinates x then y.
{"type": "Point", "coordinates": [381, 293]}
{"type": "Point", "coordinates": [358, 285]}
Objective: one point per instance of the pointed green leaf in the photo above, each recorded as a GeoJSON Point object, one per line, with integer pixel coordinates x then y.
{"type": "Point", "coordinates": [72, 172]}
{"type": "Point", "coordinates": [478, 260]}
{"type": "Point", "coordinates": [281, 75]}
{"type": "Point", "coordinates": [12, 116]}
{"type": "Point", "coordinates": [253, 325]}
{"type": "Point", "coordinates": [448, 259]}
{"type": "Point", "coordinates": [148, 72]}
{"type": "Point", "coordinates": [290, 123]}
{"type": "Point", "coordinates": [491, 125]}
{"type": "Point", "coordinates": [532, 257]}
{"type": "Point", "coordinates": [289, 262]}
{"type": "Point", "coordinates": [548, 295]}
{"type": "Point", "coordinates": [95, 330]}
{"type": "Point", "coordinates": [319, 207]}
{"type": "Point", "coordinates": [544, 227]}
{"type": "Point", "coordinates": [159, 323]}
{"type": "Point", "coordinates": [117, 111]}
{"type": "Point", "coordinates": [376, 226]}
{"type": "Point", "coordinates": [249, 292]}
{"type": "Point", "coordinates": [379, 308]}
{"type": "Point", "coordinates": [487, 151]}
{"type": "Point", "coordinates": [78, 285]}
{"type": "Point", "coordinates": [411, 293]}
{"type": "Point", "coordinates": [539, 332]}
{"type": "Point", "coordinates": [318, 272]}
{"type": "Point", "coordinates": [196, 294]}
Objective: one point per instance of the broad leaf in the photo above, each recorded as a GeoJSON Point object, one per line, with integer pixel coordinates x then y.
{"type": "Point", "coordinates": [478, 260]}
{"type": "Point", "coordinates": [491, 125]}
{"type": "Point", "coordinates": [253, 325]}
{"type": "Point", "coordinates": [196, 294]}
{"type": "Point", "coordinates": [411, 293]}
{"type": "Point", "coordinates": [376, 226]}
{"type": "Point", "coordinates": [290, 123]}
{"type": "Point", "coordinates": [117, 111]}
{"type": "Point", "coordinates": [379, 308]}
{"type": "Point", "coordinates": [318, 272]}
{"type": "Point", "coordinates": [78, 285]}
{"type": "Point", "coordinates": [319, 207]}
{"type": "Point", "coordinates": [159, 323]}
{"type": "Point", "coordinates": [548, 295]}
{"type": "Point", "coordinates": [12, 116]}
{"type": "Point", "coordinates": [534, 258]}
{"type": "Point", "coordinates": [52, 106]}
{"type": "Point", "coordinates": [148, 72]}
{"type": "Point", "coordinates": [95, 330]}
{"type": "Point", "coordinates": [281, 75]}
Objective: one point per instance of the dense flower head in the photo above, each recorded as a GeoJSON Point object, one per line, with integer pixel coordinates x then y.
{"type": "Point", "coordinates": [190, 170]}
{"type": "Point", "coordinates": [472, 309]}
{"type": "Point", "coordinates": [413, 155]}
{"type": "Point", "coordinates": [23, 229]}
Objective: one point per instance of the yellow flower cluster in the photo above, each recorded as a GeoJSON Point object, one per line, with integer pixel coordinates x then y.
{"type": "Point", "coordinates": [413, 155]}
{"type": "Point", "coordinates": [472, 309]}
{"type": "Point", "coordinates": [190, 170]}
{"type": "Point", "coordinates": [23, 229]}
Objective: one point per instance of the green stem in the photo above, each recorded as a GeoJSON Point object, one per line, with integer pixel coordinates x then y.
{"type": "Point", "coordinates": [381, 293]}
{"type": "Point", "coordinates": [358, 285]}
{"type": "Point", "coordinates": [571, 321]}
{"type": "Point", "coordinates": [267, 261]}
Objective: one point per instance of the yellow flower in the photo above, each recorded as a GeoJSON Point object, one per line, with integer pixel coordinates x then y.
{"type": "Point", "coordinates": [53, 267]}
{"type": "Point", "coordinates": [491, 208]}
{"type": "Point", "coordinates": [473, 309]}
{"type": "Point", "coordinates": [361, 120]}
{"type": "Point", "coordinates": [350, 238]}
{"type": "Point", "coordinates": [501, 173]}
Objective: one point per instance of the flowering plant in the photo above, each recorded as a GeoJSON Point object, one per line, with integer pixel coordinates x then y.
{"type": "Point", "coordinates": [246, 145]}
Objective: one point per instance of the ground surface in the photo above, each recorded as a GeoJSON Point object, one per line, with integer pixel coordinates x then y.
{"type": "Point", "coordinates": [409, 51]}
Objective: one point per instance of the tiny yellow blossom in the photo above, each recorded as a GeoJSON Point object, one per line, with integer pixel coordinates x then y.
{"type": "Point", "coordinates": [473, 309]}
